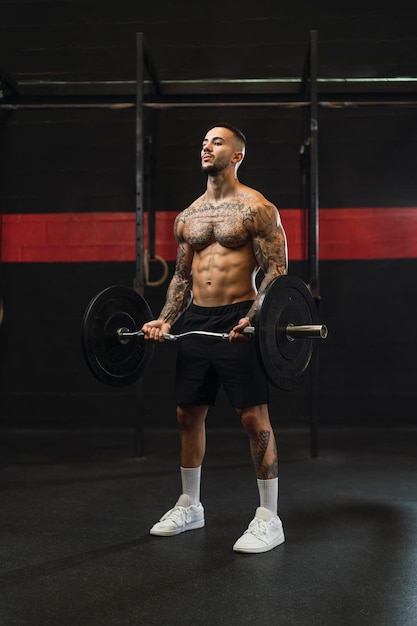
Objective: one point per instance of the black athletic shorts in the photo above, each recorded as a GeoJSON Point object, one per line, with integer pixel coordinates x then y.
{"type": "Point", "coordinates": [204, 363]}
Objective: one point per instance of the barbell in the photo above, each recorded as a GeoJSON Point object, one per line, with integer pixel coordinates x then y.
{"type": "Point", "coordinates": [284, 330]}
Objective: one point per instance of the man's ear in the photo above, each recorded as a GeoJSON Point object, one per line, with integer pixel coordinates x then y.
{"type": "Point", "coordinates": [237, 157]}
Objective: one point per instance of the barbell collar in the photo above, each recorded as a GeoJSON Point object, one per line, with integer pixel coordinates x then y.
{"type": "Point", "coordinates": [307, 331]}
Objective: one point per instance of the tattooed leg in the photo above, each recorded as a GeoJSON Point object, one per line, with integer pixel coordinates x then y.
{"type": "Point", "coordinates": [264, 454]}
{"type": "Point", "coordinates": [262, 441]}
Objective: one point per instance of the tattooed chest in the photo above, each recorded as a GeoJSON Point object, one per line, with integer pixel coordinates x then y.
{"type": "Point", "coordinates": [225, 227]}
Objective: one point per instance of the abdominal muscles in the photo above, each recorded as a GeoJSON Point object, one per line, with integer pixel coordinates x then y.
{"type": "Point", "coordinates": [223, 275]}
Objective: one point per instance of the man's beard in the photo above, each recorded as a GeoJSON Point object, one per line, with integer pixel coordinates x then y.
{"type": "Point", "coordinates": [213, 169]}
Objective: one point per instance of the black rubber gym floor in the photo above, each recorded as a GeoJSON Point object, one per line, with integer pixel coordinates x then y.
{"type": "Point", "coordinates": [76, 508]}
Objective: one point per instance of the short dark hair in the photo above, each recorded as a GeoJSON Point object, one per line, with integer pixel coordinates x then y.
{"type": "Point", "coordinates": [236, 131]}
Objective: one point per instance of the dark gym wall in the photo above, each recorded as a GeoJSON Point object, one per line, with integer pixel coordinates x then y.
{"type": "Point", "coordinates": [69, 161]}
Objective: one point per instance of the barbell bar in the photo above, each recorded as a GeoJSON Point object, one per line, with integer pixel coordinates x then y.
{"type": "Point", "coordinates": [293, 332]}
{"type": "Point", "coordinates": [285, 329]}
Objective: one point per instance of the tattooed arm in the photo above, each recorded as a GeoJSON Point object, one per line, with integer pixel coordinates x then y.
{"type": "Point", "coordinates": [270, 250]}
{"type": "Point", "coordinates": [179, 289]}
{"type": "Point", "coordinates": [178, 292]}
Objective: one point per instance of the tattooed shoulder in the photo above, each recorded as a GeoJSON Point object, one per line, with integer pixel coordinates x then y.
{"type": "Point", "coordinates": [261, 217]}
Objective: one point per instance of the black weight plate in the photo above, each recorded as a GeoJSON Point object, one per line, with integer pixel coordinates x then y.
{"type": "Point", "coordinates": [112, 360]}
{"type": "Point", "coordinates": [286, 301]}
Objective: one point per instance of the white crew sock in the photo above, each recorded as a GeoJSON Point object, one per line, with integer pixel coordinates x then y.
{"type": "Point", "coordinates": [191, 478]}
{"type": "Point", "coordinates": [268, 494]}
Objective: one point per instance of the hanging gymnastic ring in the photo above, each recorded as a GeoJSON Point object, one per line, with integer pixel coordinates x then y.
{"type": "Point", "coordinates": [165, 269]}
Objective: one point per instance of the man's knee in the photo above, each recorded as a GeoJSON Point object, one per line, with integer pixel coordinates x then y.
{"type": "Point", "coordinates": [254, 418]}
{"type": "Point", "coordinates": [190, 416]}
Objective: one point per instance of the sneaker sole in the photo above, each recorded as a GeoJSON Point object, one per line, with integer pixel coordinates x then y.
{"type": "Point", "coordinates": [177, 531]}
{"type": "Point", "coordinates": [278, 541]}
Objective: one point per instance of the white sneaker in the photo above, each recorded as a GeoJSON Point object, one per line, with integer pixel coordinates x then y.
{"type": "Point", "coordinates": [184, 516]}
{"type": "Point", "coordinates": [264, 533]}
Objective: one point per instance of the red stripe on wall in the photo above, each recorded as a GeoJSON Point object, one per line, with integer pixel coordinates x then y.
{"type": "Point", "coordinates": [359, 233]}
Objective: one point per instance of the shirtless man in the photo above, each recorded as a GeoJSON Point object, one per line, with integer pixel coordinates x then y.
{"type": "Point", "coordinates": [224, 238]}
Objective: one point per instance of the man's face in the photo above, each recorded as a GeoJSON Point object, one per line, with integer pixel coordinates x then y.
{"type": "Point", "coordinates": [218, 150]}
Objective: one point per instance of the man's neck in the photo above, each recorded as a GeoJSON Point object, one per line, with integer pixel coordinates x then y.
{"type": "Point", "coordinates": [220, 187]}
